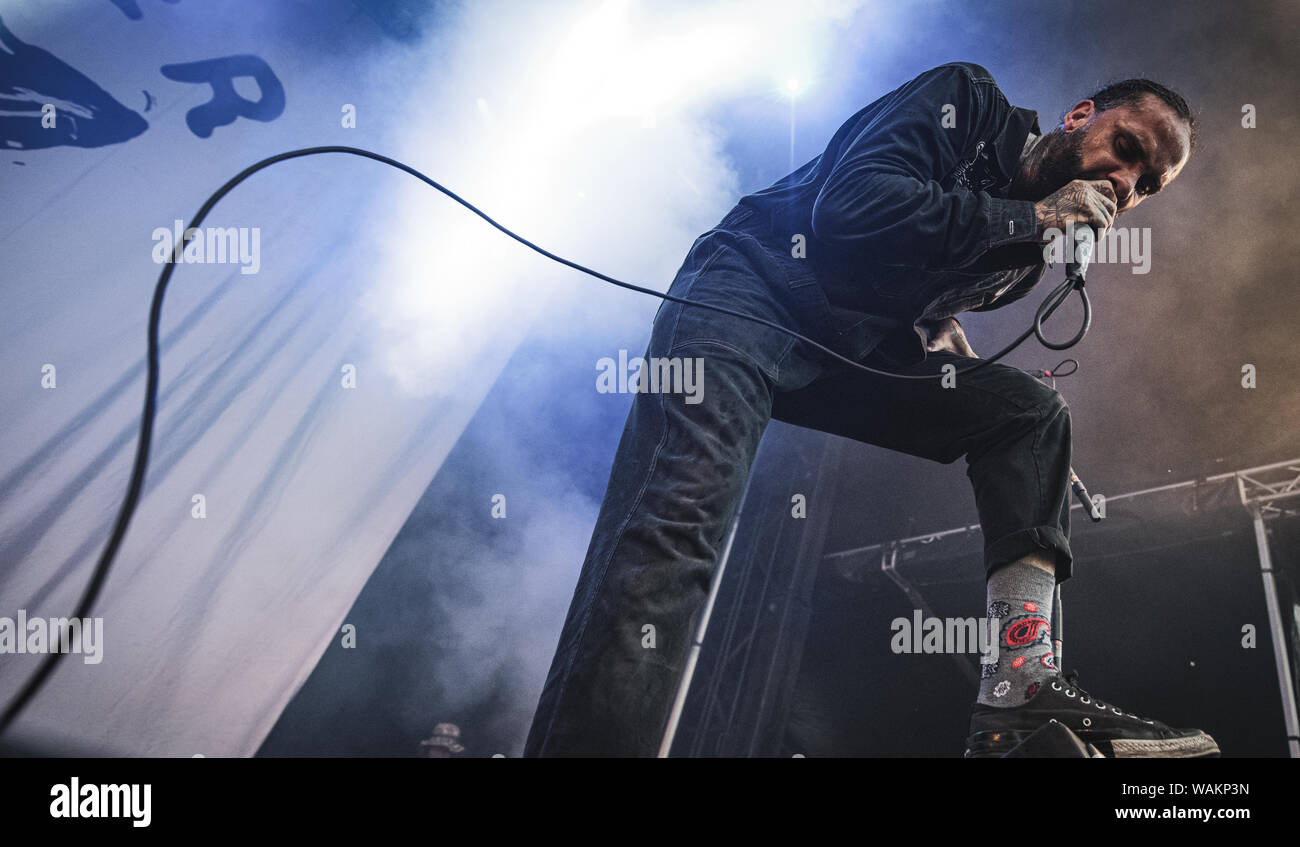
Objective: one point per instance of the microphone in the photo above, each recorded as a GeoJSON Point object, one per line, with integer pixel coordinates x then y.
{"type": "Point", "coordinates": [1084, 242]}
{"type": "Point", "coordinates": [1076, 485]}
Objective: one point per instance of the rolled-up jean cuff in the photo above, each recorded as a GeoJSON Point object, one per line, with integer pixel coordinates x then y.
{"type": "Point", "coordinates": [1021, 543]}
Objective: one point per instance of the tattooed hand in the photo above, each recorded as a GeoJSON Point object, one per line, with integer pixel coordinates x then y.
{"type": "Point", "coordinates": [1090, 202]}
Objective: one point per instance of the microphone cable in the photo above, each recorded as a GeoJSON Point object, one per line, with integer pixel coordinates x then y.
{"type": "Point", "coordinates": [136, 484]}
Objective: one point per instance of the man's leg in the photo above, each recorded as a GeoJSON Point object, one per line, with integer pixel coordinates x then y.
{"type": "Point", "coordinates": [1020, 597]}
{"type": "Point", "coordinates": [1013, 430]}
{"type": "Point", "coordinates": [677, 478]}
{"type": "Point", "coordinates": [1015, 434]}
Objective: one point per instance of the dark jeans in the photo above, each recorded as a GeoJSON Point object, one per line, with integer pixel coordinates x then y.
{"type": "Point", "coordinates": [681, 468]}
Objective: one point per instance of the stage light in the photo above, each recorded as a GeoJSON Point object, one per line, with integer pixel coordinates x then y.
{"type": "Point", "coordinates": [544, 119]}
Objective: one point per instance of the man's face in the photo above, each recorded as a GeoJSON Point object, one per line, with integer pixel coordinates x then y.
{"type": "Point", "coordinates": [1139, 149]}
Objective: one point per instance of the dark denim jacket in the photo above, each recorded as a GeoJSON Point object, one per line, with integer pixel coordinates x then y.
{"type": "Point", "coordinates": [903, 219]}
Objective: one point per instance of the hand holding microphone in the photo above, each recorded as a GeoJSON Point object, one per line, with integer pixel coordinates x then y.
{"type": "Point", "coordinates": [1081, 202]}
{"type": "Point", "coordinates": [1082, 208]}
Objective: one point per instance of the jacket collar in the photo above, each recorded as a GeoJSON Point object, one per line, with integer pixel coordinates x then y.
{"type": "Point", "coordinates": [1010, 142]}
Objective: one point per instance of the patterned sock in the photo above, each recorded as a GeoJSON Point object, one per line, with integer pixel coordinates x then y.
{"type": "Point", "coordinates": [1020, 596]}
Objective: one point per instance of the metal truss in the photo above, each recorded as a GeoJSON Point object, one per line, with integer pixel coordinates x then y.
{"type": "Point", "coordinates": [1267, 491]}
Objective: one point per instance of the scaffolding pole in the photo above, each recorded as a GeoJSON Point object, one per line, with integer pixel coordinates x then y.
{"type": "Point", "coordinates": [1279, 634]}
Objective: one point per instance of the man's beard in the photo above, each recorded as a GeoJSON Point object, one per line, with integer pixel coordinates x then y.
{"type": "Point", "coordinates": [1056, 159]}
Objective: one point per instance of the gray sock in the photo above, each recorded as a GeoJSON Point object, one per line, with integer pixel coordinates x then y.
{"type": "Point", "coordinates": [1020, 596]}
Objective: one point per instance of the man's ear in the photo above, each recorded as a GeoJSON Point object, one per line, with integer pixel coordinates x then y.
{"type": "Point", "coordinates": [1082, 112]}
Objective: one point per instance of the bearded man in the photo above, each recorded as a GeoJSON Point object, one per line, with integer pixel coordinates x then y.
{"type": "Point", "coordinates": [934, 200]}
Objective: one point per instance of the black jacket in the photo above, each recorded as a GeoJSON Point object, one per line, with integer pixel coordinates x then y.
{"type": "Point", "coordinates": [903, 219]}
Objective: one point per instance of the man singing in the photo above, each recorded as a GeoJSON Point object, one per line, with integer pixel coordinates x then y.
{"type": "Point", "coordinates": [933, 200]}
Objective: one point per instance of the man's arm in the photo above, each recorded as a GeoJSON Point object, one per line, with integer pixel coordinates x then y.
{"type": "Point", "coordinates": [882, 200]}
{"type": "Point", "coordinates": [946, 335]}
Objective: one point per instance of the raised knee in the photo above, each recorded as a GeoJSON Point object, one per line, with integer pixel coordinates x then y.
{"type": "Point", "coordinates": [1043, 396]}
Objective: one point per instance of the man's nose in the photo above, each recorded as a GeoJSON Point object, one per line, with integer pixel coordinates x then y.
{"type": "Point", "coordinates": [1124, 183]}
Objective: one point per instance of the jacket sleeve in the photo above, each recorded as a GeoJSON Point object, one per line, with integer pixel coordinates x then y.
{"type": "Point", "coordinates": [1020, 292]}
{"type": "Point", "coordinates": [1022, 288]}
{"type": "Point", "coordinates": [882, 200]}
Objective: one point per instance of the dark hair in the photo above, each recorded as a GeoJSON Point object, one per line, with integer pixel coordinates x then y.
{"type": "Point", "coordinates": [1130, 92]}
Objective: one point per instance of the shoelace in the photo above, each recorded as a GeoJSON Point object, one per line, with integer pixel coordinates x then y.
{"type": "Point", "coordinates": [1072, 678]}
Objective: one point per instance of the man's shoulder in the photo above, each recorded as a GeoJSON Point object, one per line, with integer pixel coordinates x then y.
{"type": "Point", "coordinates": [967, 74]}
{"type": "Point", "coordinates": [966, 79]}
{"type": "Point", "coordinates": [976, 73]}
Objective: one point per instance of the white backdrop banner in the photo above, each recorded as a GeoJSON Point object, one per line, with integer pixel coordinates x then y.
{"type": "Point", "coordinates": [309, 391]}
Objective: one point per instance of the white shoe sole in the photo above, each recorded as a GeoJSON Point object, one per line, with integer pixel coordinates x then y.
{"type": "Point", "coordinates": [1164, 748]}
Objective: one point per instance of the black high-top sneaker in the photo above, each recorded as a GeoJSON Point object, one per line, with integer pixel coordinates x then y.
{"type": "Point", "coordinates": [1114, 732]}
